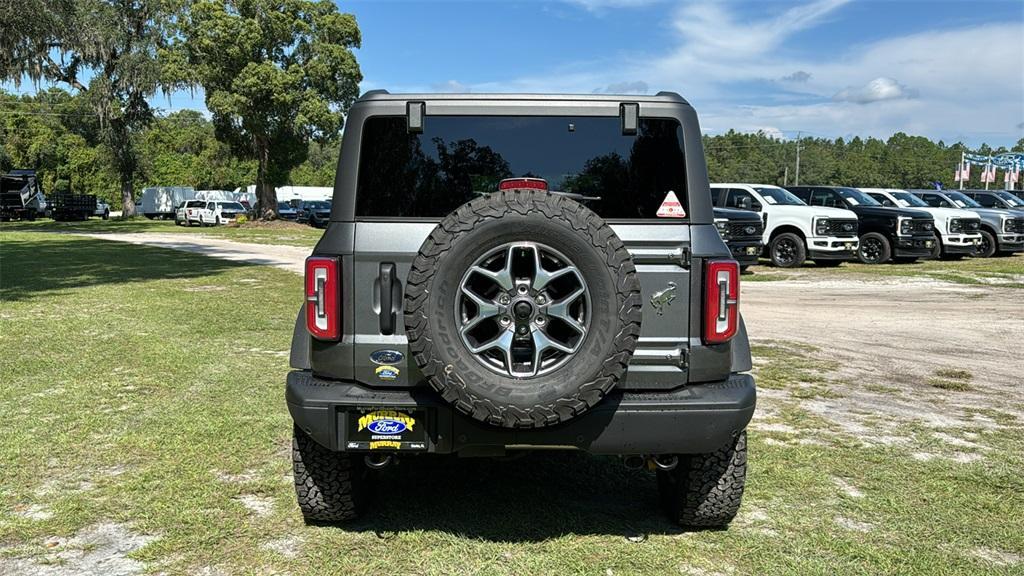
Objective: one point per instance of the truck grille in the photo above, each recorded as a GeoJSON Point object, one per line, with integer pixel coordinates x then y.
{"type": "Point", "coordinates": [741, 230]}
{"type": "Point", "coordinates": [922, 226]}
{"type": "Point", "coordinates": [842, 228]}
{"type": "Point", "coordinates": [971, 225]}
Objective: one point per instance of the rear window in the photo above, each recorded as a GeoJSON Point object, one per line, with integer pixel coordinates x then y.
{"type": "Point", "coordinates": [457, 158]}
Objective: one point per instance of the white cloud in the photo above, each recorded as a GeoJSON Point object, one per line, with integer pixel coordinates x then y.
{"type": "Point", "coordinates": [450, 86]}
{"type": "Point", "coordinates": [879, 89]}
{"type": "Point", "coordinates": [601, 5]}
{"type": "Point", "coordinates": [636, 87]}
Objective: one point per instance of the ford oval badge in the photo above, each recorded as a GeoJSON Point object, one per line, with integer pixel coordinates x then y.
{"type": "Point", "coordinates": [387, 426]}
{"type": "Point", "coordinates": [383, 357]}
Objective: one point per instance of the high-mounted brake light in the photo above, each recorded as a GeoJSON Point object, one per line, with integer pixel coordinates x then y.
{"type": "Point", "coordinates": [518, 183]}
{"type": "Point", "coordinates": [721, 300]}
{"type": "Point", "coordinates": [323, 311]}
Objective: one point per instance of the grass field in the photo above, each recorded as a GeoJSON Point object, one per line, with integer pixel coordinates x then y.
{"type": "Point", "coordinates": [142, 402]}
{"type": "Point", "coordinates": [1007, 271]}
{"type": "Point", "coordinates": [280, 232]}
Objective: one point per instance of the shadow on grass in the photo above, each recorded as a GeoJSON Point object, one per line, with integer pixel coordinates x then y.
{"type": "Point", "coordinates": [34, 267]}
{"type": "Point", "coordinates": [540, 496]}
{"type": "Point", "coordinates": [92, 225]}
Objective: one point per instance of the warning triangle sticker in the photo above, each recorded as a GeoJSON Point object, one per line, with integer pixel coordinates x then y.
{"type": "Point", "coordinates": [671, 207]}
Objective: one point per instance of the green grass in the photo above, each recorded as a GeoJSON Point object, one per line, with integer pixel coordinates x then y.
{"type": "Point", "coordinates": [279, 232]}
{"type": "Point", "coordinates": [154, 379]}
{"type": "Point", "coordinates": [1005, 271]}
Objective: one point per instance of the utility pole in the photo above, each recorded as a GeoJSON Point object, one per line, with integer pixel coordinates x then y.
{"type": "Point", "coordinates": [796, 178]}
{"type": "Point", "coordinates": [785, 176]}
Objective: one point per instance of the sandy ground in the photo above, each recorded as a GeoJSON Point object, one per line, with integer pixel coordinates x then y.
{"type": "Point", "coordinates": [290, 258]}
{"type": "Point", "coordinates": [897, 332]}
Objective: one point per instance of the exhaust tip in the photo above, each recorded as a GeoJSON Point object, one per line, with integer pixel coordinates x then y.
{"type": "Point", "coordinates": [666, 463]}
{"type": "Point", "coordinates": [378, 461]}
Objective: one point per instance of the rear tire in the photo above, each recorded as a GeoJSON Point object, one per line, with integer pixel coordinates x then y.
{"type": "Point", "coordinates": [874, 249]}
{"type": "Point", "coordinates": [705, 490]}
{"type": "Point", "coordinates": [329, 486]}
{"type": "Point", "coordinates": [988, 245]}
{"type": "Point", "coordinates": [787, 250]}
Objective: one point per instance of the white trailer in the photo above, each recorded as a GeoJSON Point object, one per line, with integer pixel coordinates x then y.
{"type": "Point", "coordinates": [161, 201]}
{"type": "Point", "coordinates": [295, 195]}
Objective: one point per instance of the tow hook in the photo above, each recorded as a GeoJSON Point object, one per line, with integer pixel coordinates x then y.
{"type": "Point", "coordinates": [665, 463]}
{"type": "Point", "coordinates": [633, 462]}
{"type": "Point", "coordinates": [378, 461]}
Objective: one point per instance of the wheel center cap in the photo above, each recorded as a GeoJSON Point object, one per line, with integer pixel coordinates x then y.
{"type": "Point", "coordinates": [522, 310]}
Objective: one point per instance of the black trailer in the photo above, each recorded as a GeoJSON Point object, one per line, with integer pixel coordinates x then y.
{"type": "Point", "coordinates": [68, 206]}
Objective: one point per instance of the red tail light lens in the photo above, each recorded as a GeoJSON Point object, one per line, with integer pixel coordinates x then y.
{"type": "Point", "coordinates": [529, 183]}
{"type": "Point", "coordinates": [721, 300]}
{"type": "Point", "coordinates": [323, 310]}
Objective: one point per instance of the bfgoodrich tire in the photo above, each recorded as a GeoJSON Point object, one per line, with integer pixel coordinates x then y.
{"type": "Point", "coordinates": [526, 232]}
{"type": "Point", "coordinates": [705, 490]}
{"type": "Point", "coordinates": [329, 486]}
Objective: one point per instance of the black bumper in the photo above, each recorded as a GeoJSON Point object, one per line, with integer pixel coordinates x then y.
{"type": "Point", "coordinates": [1005, 246]}
{"type": "Point", "coordinates": [957, 249]}
{"type": "Point", "coordinates": [693, 419]}
{"type": "Point", "coordinates": [843, 255]}
{"type": "Point", "coordinates": [913, 246]}
{"type": "Point", "coordinates": [746, 252]}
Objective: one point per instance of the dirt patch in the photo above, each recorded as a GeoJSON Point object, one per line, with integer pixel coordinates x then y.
{"type": "Point", "coordinates": [258, 505]}
{"type": "Point", "coordinates": [847, 488]}
{"type": "Point", "coordinates": [99, 550]}
{"type": "Point", "coordinates": [887, 338]}
{"type": "Point", "coordinates": [854, 525]}
{"type": "Point", "coordinates": [36, 512]}
{"type": "Point", "coordinates": [288, 547]}
{"type": "Point", "coordinates": [997, 557]}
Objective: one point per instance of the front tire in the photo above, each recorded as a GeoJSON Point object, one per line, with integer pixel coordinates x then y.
{"type": "Point", "coordinates": [787, 250]}
{"type": "Point", "coordinates": [874, 249]}
{"type": "Point", "coordinates": [329, 486]}
{"type": "Point", "coordinates": [705, 490]}
{"type": "Point", "coordinates": [988, 245]}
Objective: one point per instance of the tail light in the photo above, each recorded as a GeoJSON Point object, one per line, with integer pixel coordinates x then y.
{"type": "Point", "coordinates": [721, 300]}
{"type": "Point", "coordinates": [519, 183]}
{"type": "Point", "coordinates": [323, 310]}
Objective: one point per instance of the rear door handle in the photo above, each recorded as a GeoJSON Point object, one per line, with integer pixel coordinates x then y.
{"type": "Point", "coordinates": [387, 298]}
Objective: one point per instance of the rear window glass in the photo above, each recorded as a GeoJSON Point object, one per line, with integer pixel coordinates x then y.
{"type": "Point", "coordinates": [457, 158]}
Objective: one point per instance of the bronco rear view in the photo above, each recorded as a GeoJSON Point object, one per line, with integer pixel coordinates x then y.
{"type": "Point", "coordinates": [512, 272]}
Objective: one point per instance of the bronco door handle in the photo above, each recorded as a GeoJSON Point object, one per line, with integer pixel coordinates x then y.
{"type": "Point", "coordinates": [386, 280]}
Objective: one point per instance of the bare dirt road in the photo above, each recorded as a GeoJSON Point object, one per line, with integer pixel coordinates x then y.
{"type": "Point", "coordinates": [286, 257]}
{"type": "Point", "coordinates": [892, 339]}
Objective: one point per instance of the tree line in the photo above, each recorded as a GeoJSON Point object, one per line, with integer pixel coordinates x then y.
{"type": "Point", "coordinates": [901, 161]}
{"type": "Point", "coordinates": [276, 78]}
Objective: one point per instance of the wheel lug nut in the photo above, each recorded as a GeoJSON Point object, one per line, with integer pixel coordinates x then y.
{"type": "Point", "coordinates": [522, 329]}
{"type": "Point", "coordinates": [540, 320]}
{"type": "Point", "coordinates": [541, 300]}
{"type": "Point", "coordinates": [505, 320]}
{"type": "Point", "coordinates": [504, 299]}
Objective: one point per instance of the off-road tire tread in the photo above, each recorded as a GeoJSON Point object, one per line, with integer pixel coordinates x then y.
{"type": "Point", "coordinates": [705, 490]}
{"type": "Point", "coordinates": [325, 481]}
{"type": "Point", "coordinates": [553, 207]}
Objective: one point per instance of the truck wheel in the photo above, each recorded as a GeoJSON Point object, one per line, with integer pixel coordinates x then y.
{"type": "Point", "coordinates": [522, 308]}
{"type": "Point", "coordinates": [106, 215]}
{"type": "Point", "coordinates": [937, 248]}
{"type": "Point", "coordinates": [787, 250]}
{"type": "Point", "coordinates": [988, 245]}
{"type": "Point", "coordinates": [874, 249]}
{"type": "Point", "coordinates": [330, 486]}
{"type": "Point", "coordinates": [705, 490]}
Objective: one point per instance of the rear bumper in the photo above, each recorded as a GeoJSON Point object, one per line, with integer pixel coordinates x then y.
{"type": "Point", "coordinates": [693, 419]}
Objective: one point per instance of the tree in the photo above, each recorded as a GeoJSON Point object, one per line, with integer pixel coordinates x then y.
{"type": "Point", "coordinates": [276, 74]}
{"type": "Point", "coordinates": [105, 49]}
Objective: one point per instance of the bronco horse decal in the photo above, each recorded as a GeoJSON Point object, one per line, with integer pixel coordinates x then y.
{"type": "Point", "coordinates": [663, 298]}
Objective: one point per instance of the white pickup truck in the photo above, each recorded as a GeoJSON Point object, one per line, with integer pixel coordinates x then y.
{"type": "Point", "coordinates": [793, 231]}
{"type": "Point", "coordinates": [958, 230]}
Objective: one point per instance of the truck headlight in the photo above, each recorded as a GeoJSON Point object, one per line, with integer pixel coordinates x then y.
{"type": "Point", "coordinates": [723, 227]}
{"type": "Point", "coordinates": [1007, 224]}
{"type": "Point", "coordinates": [905, 226]}
{"type": "Point", "coordinates": [821, 226]}
{"type": "Point", "coordinates": [956, 225]}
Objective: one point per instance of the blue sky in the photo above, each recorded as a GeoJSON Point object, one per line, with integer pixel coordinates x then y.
{"type": "Point", "coordinates": [949, 69]}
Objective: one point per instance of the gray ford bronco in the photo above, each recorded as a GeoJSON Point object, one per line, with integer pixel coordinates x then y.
{"type": "Point", "coordinates": [503, 273]}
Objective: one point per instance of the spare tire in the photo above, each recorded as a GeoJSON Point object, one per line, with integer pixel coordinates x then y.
{"type": "Point", "coordinates": [522, 308]}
